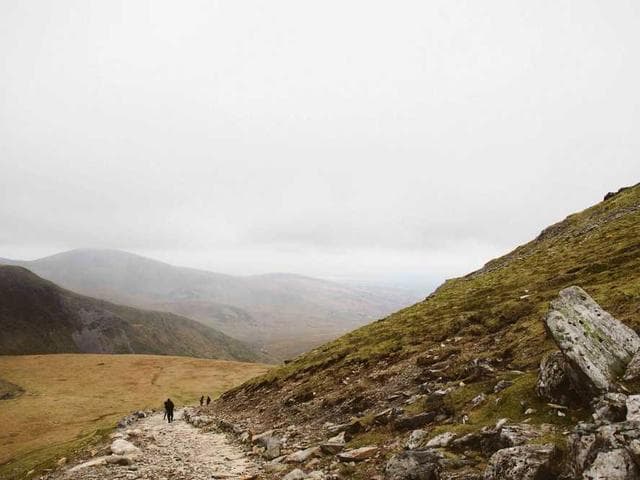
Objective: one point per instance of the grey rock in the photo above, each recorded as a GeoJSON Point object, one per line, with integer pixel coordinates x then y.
{"type": "Point", "coordinates": [296, 474]}
{"type": "Point", "coordinates": [415, 439]}
{"type": "Point", "coordinates": [590, 441]}
{"type": "Point", "coordinates": [414, 465]}
{"type": "Point", "coordinates": [478, 400]}
{"type": "Point", "coordinates": [632, 372]}
{"type": "Point", "coordinates": [351, 427]}
{"type": "Point", "coordinates": [442, 440]}
{"type": "Point", "coordinates": [596, 344]}
{"type": "Point", "coordinates": [527, 462]}
{"type": "Point", "coordinates": [123, 447]}
{"type": "Point", "coordinates": [119, 460]}
{"type": "Point", "coordinates": [614, 464]}
{"type": "Point", "coordinates": [557, 381]}
{"type": "Point", "coordinates": [271, 444]}
{"type": "Point", "coordinates": [302, 456]}
{"type": "Point", "coordinates": [501, 385]}
{"type": "Point", "coordinates": [91, 463]}
{"type": "Point", "coordinates": [334, 444]}
{"type": "Point", "coordinates": [633, 408]}
{"type": "Point", "coordinates": [357, 454]}
{"type": "Point", "coordinates": [610, 407]}
{"type": "Point", "coordinates": [406, 422]}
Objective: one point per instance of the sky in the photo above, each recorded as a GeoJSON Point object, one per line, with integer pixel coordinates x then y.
{"type": "Point", "coordinates": [377, 141]}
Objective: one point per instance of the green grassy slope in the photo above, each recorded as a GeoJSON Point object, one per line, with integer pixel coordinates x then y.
{"type": "Point", "coordinates": [598, 249]}
{"type": "Point", "coordinates": [494, 316]}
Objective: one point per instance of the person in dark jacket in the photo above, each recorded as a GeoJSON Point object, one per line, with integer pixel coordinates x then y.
{"type": "Point", "coordinates": [168, 408]}
{"type": "Point", "coordinates": [202, 400]}
{"type": "Point", "coordinates": [208, 400]}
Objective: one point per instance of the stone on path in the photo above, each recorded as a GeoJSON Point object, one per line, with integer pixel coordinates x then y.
{"type": "Point", "coordinates": [121, 446]}
{"type": "Point", "coordinates": [596, 344]}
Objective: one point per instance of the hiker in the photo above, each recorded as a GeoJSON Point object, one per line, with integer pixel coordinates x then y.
{"type": "Point", "coordinates": [202, 400]}
{"type": "Point", "coordinates": [168, 408]}
{"type": "Point", "coordinates": [208, 400]}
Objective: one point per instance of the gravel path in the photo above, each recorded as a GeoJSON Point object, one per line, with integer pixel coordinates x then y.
{"type": "Point", "coordinates": [173, 451]}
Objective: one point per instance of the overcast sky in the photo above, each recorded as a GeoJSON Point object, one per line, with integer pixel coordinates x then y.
{"type": "Point", "coordinates": [360, 139]}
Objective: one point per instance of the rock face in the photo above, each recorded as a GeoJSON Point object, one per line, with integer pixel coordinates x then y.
{"type": "Point", "coordinates": [527, 462]}
{"type": "Point", "coordinates": [596, 345]}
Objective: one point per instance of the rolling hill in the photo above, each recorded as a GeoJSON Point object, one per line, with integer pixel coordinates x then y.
{"type": "Point", "coordinates": [465, 357]}
{"type": "Point", "coordinates": [285, 313]}
{"type": "Point", "coordinates": [37, 316]}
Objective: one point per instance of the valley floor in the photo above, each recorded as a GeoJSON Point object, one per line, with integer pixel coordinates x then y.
{"type": "Point", "coordinates": [171, 451]}
{"type": "Point", "coordinates": [52, 405]}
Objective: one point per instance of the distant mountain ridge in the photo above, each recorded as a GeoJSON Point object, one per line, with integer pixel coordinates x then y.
{"type": "Point", "coordinates": [285, 313]}
{"type": "Point", "coordinates": [37, 317]}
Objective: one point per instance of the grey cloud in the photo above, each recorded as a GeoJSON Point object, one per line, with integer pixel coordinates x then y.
{"type": "Point", "coordinates": [360, 137]}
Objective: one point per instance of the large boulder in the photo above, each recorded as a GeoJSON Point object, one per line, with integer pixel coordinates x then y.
{"type": "Point", "coordinates": [414, 465]}
{"type": "Point", "coordinates": [527, 462]}
{"type": "Point", "coordinates": [596, 345]}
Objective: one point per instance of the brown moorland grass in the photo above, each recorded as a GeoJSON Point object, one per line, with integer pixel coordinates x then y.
{"type": "Point", "coordinates": [71, 399]}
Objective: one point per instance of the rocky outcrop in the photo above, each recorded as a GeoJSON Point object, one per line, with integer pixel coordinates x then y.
{"type": "Point", "coordinates": [596, 345]}
{"type": "Point", "coordinates": [527, 462]}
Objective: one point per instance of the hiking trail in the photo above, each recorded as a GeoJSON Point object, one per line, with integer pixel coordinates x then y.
{"type": "Point", "coordinates": [174, 451]}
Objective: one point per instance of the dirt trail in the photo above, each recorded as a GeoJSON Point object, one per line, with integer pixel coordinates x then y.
{"type": "Point", "coordinates": [173, 452]}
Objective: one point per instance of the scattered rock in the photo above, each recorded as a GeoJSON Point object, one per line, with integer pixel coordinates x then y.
{"type": "Point", "coordinates": [415, 439]}
{"type": "Point", "coordinates": [610, 407]}
{"type": "Point", "coordinates": [296, 474]}
{"type": "Point", "coordinates": [302, 456]}
{"type": "Point", "coordinates": [119, 460]}
{"type": "Point", "coordinates": [633, 408]}
{"type": "Point", "coordinates": [595, 344]}
{"type": "Point", "coordinates": [478, 400]}
{"type": "Point", "coordinates": [334, 444]}
{"type": "Point", "coordinates": [351, 427]}
{"type": "Point", "coordinates": [91, 463]}
{"type": "Point", "coordinates": [501, 385]}
{"type": "Point", "coordinates": [123, 447]}
{"type": "Point", "coordinates": [406, 422]}
{"type": "Point", "coordinates": [527, 462]}
{"type": "Point", "coordinates": [442, 440]}
{"type": "Point", "coordinates": [358, 454]}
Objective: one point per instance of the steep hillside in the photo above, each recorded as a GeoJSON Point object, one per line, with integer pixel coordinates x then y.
{"type": "Point", "coordinates": [457, 345]}
{"type": "Point", "coordinates": [37, 316]}
{"type": "Point", "coordinates": [286, 313]}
